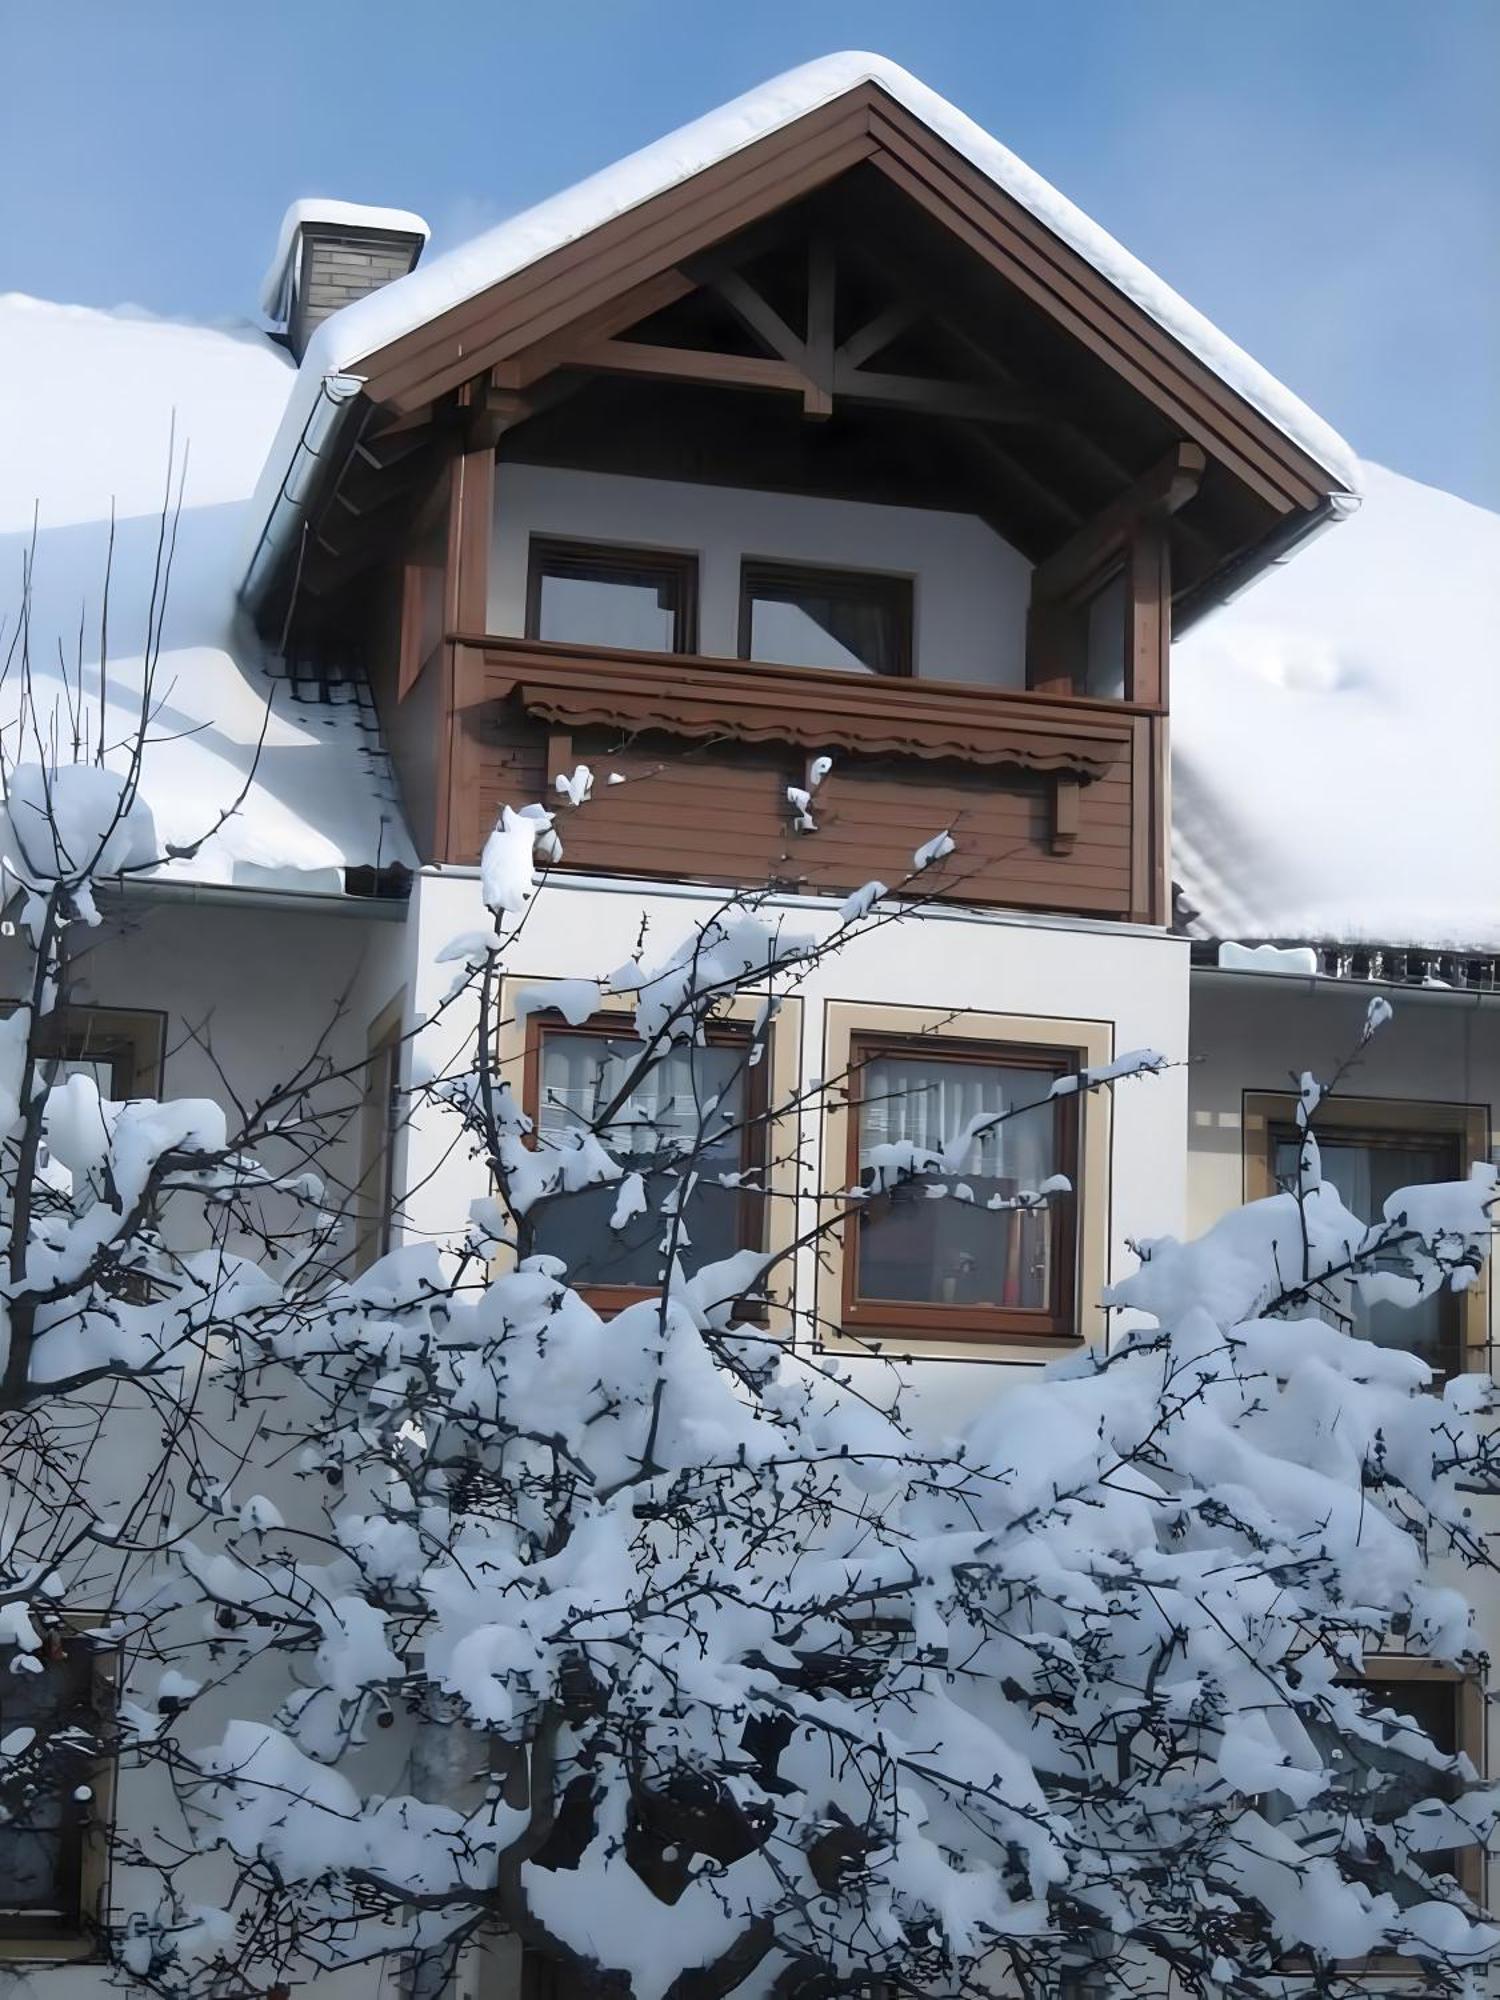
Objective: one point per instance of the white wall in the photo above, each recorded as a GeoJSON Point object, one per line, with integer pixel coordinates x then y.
{"type": "Point", "coordinates": [1133, 980]}
{"type": "Point", "coordinates": [1258, 1033]}
{"type": "Point", "coordinates": [248, 992]}
{"type": "Point", "coordinates": [971, 589]}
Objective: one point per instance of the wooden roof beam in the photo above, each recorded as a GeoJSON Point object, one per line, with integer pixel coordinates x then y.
{"type": "Point", "coordinates": [520, 371]}
{"type": "Point", "coordinates": [1168, 486]}
{"type": "Point", "coordinates": [686, 364]}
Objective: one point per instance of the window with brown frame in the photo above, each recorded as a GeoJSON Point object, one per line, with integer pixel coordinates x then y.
{"type": "Point", "coordinates": [380, 1119]}
{"type": "Point", "coordinates": [855, 621]}
{"type": "Point", "coordinates": [120, 1049]}
{"type": "Point", "coordinates": [1368, 1151]}
{"type": "Point", "coordinates": [591, 594]}
{"type": "Point", "coordinates": [1390, 1779]}
{"type": "Point", "coordinates": [58, 1796]}
{"type": "Point", "coordinates": [959, 1255]}
{"type": "Point", "coordinates": [696, 1115]}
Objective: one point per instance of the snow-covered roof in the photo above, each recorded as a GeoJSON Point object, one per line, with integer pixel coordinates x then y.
{"type": "Point", "coordinates": [312, 210]}
{"type": "Point", "coordinates": [1336, 736]}
{"type": "Point", "coordinates": [89, 405]}
{"type": "Point", "coordinates": [362, 329]}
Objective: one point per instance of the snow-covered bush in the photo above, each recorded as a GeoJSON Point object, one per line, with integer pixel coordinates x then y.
{"type": "Point", "coordinates": [691, 1659]}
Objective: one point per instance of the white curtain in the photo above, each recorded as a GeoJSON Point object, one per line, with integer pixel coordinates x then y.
{"type": "Point", "coordinates": [931, 1103]}
{"type": "Point", "coordinates": [581, 1075]}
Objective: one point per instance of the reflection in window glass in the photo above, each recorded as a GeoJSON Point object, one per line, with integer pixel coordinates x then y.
{"type": "Point", "coordinates": [41, 1842]}
{"type": "Point", "coordinates": [1365, 1174]}
{"type": "Point", "coordinates": [1104, 641]}
{"type": "Point", "coordinates": [958, 1250]}
{"type": "Point", "coordinates": [632, 599]}
{"type": "Point", "coordinates": [688, 1111]}
{"type": "Point", "coordinates": [817, 618]}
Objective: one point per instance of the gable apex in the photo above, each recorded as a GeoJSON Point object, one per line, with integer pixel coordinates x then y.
{"type": "Point", "coordinates": [419, 335]}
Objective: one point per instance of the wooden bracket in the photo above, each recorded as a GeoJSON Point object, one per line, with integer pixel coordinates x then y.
{"type": "Point", "coordinates": [1064, 834]}
{"type": "Point", "coordinates": [560, 761]}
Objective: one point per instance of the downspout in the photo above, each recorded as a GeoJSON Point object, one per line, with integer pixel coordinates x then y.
{"type": "Point", "coordinates": [315, 449]}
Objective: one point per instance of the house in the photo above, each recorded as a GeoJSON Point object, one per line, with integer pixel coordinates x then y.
{"type": "Point", "coordinates": [832, 489]}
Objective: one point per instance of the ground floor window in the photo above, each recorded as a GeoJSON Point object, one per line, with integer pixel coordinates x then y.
{"type": "Point", "coordinates": [688, 1129]}
{"type": "Point", "coordinates": [986, 1244]}
{"type": "Point", "coordinates": [1369, 1149]}
{"type": "Point", "coordinates": [57, 1794]}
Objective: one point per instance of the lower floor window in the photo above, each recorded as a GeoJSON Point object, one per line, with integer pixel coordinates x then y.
{"type": "Point", "coordinates": [1366, 1168]}
{"type": "Point", "coordinates": [55, 1795]}
{"type": "Point", "coordinates": [687, 1124]}
{"type": "Point", "coordinates": [960, 1151]}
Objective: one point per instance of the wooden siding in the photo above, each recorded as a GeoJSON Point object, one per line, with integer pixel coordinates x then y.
{"type": "Point", "coordinates": [716, 810]}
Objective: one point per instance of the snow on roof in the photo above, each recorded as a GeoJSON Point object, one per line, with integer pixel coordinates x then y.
{"type": "Point", "coordinates": [89, 402]}
{"type": "Point", "coordinates": [369, 324]}
{"type": "Point", "coordinates": [1336, 736]}
{"type": "Point", "coordinates": [276, 285]}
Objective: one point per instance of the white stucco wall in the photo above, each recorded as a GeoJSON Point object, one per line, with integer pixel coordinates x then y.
{"type": "Point", "coordinates": [248, 992]}
{"type": "Point", "coordinates": [1134, 981]}
{"type": "Point", "coordinates": [1252, 1034]}
{"type": "Point", "coordinates": [971, 588]}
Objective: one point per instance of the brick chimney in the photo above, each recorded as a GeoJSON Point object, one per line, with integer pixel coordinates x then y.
{"type": "Point", "coordinates": [330, 253]}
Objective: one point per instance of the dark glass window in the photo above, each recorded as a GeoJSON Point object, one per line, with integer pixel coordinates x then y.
{"type": "Point", "coordinates": [640, 600]}
{"type": "Point", "coordinates": [52, 1789]}
{"type": "Point", "coordinates": [1366, 1169]}
{"type": "Point", "coordinates": [692, 1115]}
{"type": "Point", "coordinates": [951, 1251]}
{"type": "Point", "coordinates": [848, 620]}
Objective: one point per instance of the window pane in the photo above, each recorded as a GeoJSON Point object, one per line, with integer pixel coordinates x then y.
{"type": "Point", "coordinates": [633, 609]}
{"type": "Point", "coordinates": [1405, 1781]}
{"type": "Point", "coordinates": [1365, 1175]}
{"type": "Point", "coordinates": [40, 1845]}
{"type": "Point", "coordinates": [861, 625]}
{"type": "Point", "coordinates": [1104, 641]}
{"type": "Point", "coordinates": [685, 1114]}
{"type": "Point", "coordinates": [965, 1248]}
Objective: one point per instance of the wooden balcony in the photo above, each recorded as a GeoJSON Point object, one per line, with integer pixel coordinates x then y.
{"type": "Point", "coordinates": [1055, 802]}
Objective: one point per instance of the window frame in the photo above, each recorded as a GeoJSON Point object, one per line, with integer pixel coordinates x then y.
{"type": "Point", "coordinates": [551, 555]}
{"type": "Point", "coordinates": [131, 1040]}
{"type": "Point", "coordinates": [70, 1939]}
{"type": "Point", "coordinates": [865, 586]}
{"type": "Point", "coordinates": [376, 1203]}
{"type": "Point", "coordinates": [1270, 1116]}
{"type": "Point", "coordinates": [1091, 1043]}
{"type": "Point", "coordinates": [880, 1317]}
{"type": "Point", "coordinates": [607, 1300]}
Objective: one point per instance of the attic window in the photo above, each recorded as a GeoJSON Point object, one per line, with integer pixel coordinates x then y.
{"type": "Point", "coordinates": [854, 621]}
{"type": "Point", "coordinates": [589, 594]}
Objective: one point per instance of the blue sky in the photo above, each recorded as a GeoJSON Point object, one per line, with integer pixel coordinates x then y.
{"type": "Point", "coordinates": [1321, 177]}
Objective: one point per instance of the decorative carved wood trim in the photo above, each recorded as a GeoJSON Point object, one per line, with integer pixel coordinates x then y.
{"type": "Point", "coordinates": [742, 701]}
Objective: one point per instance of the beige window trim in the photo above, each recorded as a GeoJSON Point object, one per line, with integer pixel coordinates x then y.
{"type": "Point", "coordinates": [1092, 1043]}
{"type": "Point", "coordinates": [1468, 1124]}
{"type": "Point", "coordinates": [377, 1137]}
{"type": "Point", "coordinates": [67, 1944]}
{"type": "Point", "coordinates": [782, 1118]}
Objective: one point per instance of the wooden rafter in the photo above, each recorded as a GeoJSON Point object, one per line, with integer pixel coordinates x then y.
{"type": "Point", "coordinates": [813, 367]}
{"type": "Point", "coordinates": [1168, 486]}
{"type": "Point", "coordinates": [686, 364]}
{"type": "Point", "coordinates": [877, 334]}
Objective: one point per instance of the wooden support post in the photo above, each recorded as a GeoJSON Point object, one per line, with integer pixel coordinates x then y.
{"type": "Point", "coordinates": [817, 400]}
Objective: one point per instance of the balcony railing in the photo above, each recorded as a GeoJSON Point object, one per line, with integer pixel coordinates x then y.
{"type": "Point", "coordinates": [1071, 781]}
